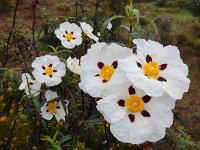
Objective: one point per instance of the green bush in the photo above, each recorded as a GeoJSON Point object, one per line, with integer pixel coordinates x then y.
{"type": "Point", "coordinates": [5, 6]}
{"type": "Point", "coordinates": [62, 7]}
{"type": "Point", "coordinates": [195, 7]}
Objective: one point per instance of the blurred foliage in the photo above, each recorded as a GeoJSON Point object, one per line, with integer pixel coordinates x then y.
{"type": "Point", "coordinates": [62, 7]}
{"type": "Point", "coordinates": [5, 6]}
{"type": "Point", "coordinates": [192, 5]}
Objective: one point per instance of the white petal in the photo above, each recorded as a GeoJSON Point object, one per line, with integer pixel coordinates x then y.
{"type": "Point", "coordinates": [67, 44]}
{"type": "Point", "coordinates": [158, 134]}
{"type": "Point", "coordinates": [50, 95]}
{"type": "Point", "coordinates": [59, 117]}
{"type": "Point", "coordinates": [48, 59]}
{"type": "Point", "coordinates": [92, 86]}
{"type": "Point", "coordinates": [55, 80]}
{"type": "Point", "coordinates": [73, 65]}
{"type": "Point", "coordinates": [162, 103]}
{"type": "Point", "coordinates": [110, 108]}
{"type": "Point", "coordinates": [61, 111]}
{"type": "Point", "coordinates": [46, 115]}
{"type": "Point", "coordinates": [165, 118]}
{"type": "Point", "coordinates": [86, 27]}
{"type": "Point", "coordinates": [109, 26]}
{"type": "Point", "coordinates": [149, 47]}
{"type": "Point", "coordinates": [171, 56]}
{"type": "Point", "coordinates": [76, 30]}
{"type": "Point", "coordinates": [38, 75]}
{"type": "Point", "coordinates": [136, 76]}
{"type": "Point", "coordinates": [177, 83]}
{"type": "Point", "coordinates": [66, 26]}
{"type": "Point", "coordinates": [61, 69]}
{"type": "Point", "coordinates": [150, 86]}
{"type": "Point", "coordinates": [22, 86]}
{"type": "Point", "coordinates": [37, 62]}
{"type": "Point", "coordinates": [59, 34]}
{"type": "Point", "coordinates": [95, 38]}
{"type": "Point", "coordinates": [136, 133]}
{"type": "Point", "coordinates": [26, 76]}
{"type": "Point", "coordinates": [27, 91]}
{"type": "Point", "coordinates": [78, 40]}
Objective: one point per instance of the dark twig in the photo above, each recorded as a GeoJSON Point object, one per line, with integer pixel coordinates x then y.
{"type": "Point", "coordinates": [178, 130]}
{"type": "Point", "coordinates": [6, 48]}
{"type": "Point", "coordinates": [34, 24]}
{"type": "Point", "coordinates": [24, 58]}
{"type": "Point", "coordinates": [82, 113]}
{"type": "Point", "coordinates": [96, 12]}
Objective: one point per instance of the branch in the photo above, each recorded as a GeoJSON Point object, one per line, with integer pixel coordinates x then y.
{"type": "Point", "coordinates": [6, 48]}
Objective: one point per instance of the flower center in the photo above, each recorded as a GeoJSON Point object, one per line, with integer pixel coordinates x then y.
{"type": "Point", "coordinates": [49, 71]}
{"type": "Point", "coordinates": [107, 72]}
{"type": "Point", "coordinates": [135, 103]}
{"type": "Point", "coordinates": [51, 107]}
{"type": "Point", "coordinates": [69, 36]}
{"type": "Point", "coordinates": [152, 69]}
{"type": "Point", "coordinates": [89, 34]}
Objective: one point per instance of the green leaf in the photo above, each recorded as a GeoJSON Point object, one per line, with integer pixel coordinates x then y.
{"type": "Point", "coordinates": [57, 147]}
{"type": "Point", "coordinates": [137, 14]}
{"type": "Point", "coordinates": [55, 136]}
{"type": "Point", "coordinates": [64, 139]}
{"type": "Point", "coordinates": [36, 104]}
{"type": "Point", "coordinates": [134, 34]}
{"type": "Point", "coordinates": [48, 139]}
{"type": "Point", "coordinates": [145, 20]}
{"type": "Point", "coordinates": [53, 48]}
{"type": "Point", "coordinates": [127, 8]}
{"type": "Point", "coordinates": [96, 120]}
{"type": "Point", "coordinates": [105, 24]}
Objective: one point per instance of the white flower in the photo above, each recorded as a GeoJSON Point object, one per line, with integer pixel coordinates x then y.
{"type": "Point", "coordinates": [30, 86]}
{"type": "Point", "coordinates": [49, 70]}
{"type": "Point", "coordinates": [98, 34]}
{"type": "Point", "coordinates": [109, 26]}
{"type": "Point", "coordinates": [157, 69]}
{"type": "Point", "coordinates": [87, 29]}
{"type": "Point", "coordinates": [136, 117]}
{"type": "Point", "coordinates": [69, 34]}
{"type": "Point", "coordinates": [100, 74]}
{"type": "Point", "coordinates": [53, 107]}
{"type": "Point", "coordinates": [73, 65]}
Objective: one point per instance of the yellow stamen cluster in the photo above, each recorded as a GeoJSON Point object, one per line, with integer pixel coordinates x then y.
{"type": "Point", "coordinates": [107, 72]}
{"type": "Point", "coordinates": [49, 71]}
{"type": "Point", "coordinates": [69, 36]}
{"type": "Point", "coordinates": [152, 69]}
{"type": "Point", "coordinates": [52, 107]}
{"type": "Point", "coordinates": [135, 103]}
{"type": "Point", "coordinates": [89, 34]}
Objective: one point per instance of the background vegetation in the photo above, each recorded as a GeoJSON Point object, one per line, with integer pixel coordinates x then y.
{"type": "Point", "coordinates": [27, 28]}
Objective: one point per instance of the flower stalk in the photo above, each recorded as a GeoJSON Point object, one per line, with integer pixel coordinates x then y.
{"type": "Point", "coordinates": [130, 19]}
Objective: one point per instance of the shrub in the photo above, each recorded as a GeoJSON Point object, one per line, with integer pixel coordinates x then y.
{"type": "Point", "coordinates": [62, 7]}
{"type": "Point", "coordinates": [195, 7]}
{"type": "Point", "coordinates": [5, 6]}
